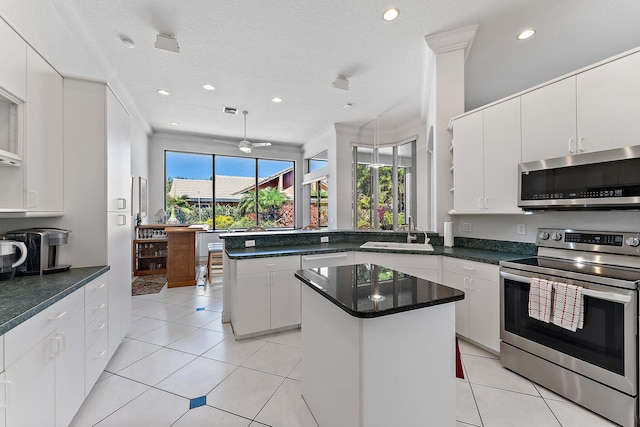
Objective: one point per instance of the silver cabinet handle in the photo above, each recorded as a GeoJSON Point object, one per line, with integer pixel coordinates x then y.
{"type": "Point", "coordinates": [315, 257]}
{"type": "Point", "coordinates": [122, 203]}
{"type": "Point", "coordinates": [58, 316]}
{"type": "Point", "coordinates": [8, 391]}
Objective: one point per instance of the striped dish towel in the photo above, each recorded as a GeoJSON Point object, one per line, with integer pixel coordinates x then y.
{"type": "Point", "coordinates": [540, 299]}
{"type": "Point", "coordinates": [568, 306]}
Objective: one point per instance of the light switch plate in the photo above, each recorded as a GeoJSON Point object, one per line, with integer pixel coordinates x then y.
{"type": "Point", "coordinates": [324, 239]}
{"type": "Point", "coordinates": [249, 243]}
{"type": "Point", "coordinates": [522, 229]}
{"type": "Point", "coordinates": [466, 226]}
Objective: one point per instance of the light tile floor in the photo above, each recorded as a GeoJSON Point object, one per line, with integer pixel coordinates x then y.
{"type": "Point", "coordinates": [178, 349]}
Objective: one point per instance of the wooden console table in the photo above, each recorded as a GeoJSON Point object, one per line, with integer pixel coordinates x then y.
{"type": "Point", "coordinates": [181, 259]}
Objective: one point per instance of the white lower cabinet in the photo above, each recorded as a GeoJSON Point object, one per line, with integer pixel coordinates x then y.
{"type": "Point", "coordinates": [43, 358]}
{"type": "Point", "coordinates": [69, 385]}
{"type": "Point", "coordinates": [478, 314]}
{"type": "Point", "coordinates": [53, 359]}
{"type": "Point", "coordinates": [265, 295]}
{"type": "Point", "coordinates": [3, 399]}
{"type": "Point", "coordinates": [423, 266]}
{"type": "Point", "coordinates": [96, 330]}
{"type": "Point", "coordinates": [3, 385]}
{"type": "Point", "coordinates": [285, 299]}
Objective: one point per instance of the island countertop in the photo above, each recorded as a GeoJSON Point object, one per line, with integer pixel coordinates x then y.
{"type": "Point", "coordinates": [369, 290]}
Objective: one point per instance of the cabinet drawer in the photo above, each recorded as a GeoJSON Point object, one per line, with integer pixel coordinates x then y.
{"type": "Point", "coordinates": [96, 358]}
{"type": "Point", "coordinates": [260, 265]}
{"type": "Point", "coordinates": [427, 262]}
{"type": "Point", "coordinates": [95, 308]}
{"type": "Point", "coordinates": [328, 260]}
{"type": "Point", "coordinates": [97, 327]}
{"type": "Point", "coordinates": [24, 336]}
{"type": "Point", "coordinates": [97, 288]}
{"type": "Point", "coordinates": [471, 268]}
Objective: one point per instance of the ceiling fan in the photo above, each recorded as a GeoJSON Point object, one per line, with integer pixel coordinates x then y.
{"type": "Point", "coordinates": [244, 145]}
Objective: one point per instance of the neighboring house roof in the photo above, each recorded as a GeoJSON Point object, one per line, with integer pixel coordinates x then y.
{"type": "Point", "coordinates": [276, 180]}
{"type": "Point", "coordinates": [228, 188]}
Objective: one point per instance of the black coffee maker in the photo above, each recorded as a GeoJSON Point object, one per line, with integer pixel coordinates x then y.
{"type": "Point", "coordinates": [42, 249]}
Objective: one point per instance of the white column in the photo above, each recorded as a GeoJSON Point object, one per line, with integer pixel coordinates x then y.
{"type": "Point", "coordinates": [446, 98]}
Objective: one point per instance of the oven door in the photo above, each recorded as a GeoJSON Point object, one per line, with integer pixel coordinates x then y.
{"type": "Point", "coordinates": [603, 350]}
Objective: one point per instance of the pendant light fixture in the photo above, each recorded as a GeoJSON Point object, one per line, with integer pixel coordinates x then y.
{"type": "Point", "coordinates": [376, 144]}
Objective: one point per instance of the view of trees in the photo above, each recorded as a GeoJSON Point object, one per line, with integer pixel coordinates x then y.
{"type": "Point", "coordinates": [365, 207]}
{"type": "Point", "coordinates": [274, 210]}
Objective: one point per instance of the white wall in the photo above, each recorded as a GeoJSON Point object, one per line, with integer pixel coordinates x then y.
{"type": "Point", "coordinates": [505, 227]}
{"type": "Point", "coordinates": [163, 141]}
{"type": "Point", "coordinates": [139, 168]}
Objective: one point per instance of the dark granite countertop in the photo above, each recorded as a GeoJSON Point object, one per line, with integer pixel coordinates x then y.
{"type": "Point", "coordinates": [23, 297]}
{"type": "Point", "coordinates": [488, 256]}
{"type": "Point", "coordinates": [368, 290]}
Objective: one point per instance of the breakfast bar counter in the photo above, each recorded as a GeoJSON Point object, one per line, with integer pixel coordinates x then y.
{"type": "Point", "coordinates": [378, 347]}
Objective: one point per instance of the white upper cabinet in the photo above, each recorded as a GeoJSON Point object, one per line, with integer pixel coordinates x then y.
{"type": "Point", "coordinates": [502, 154]}
{"type": "Point", "coordinates": [549, 121]}
{"type": "Point", "coordinates": [44, 146]}
{"type": "Point", "coordinates": [468, 165]}
{"type": "Point", "coordinates": [594, 110]}
{"type": "Point", "coordinates": [609, 105]}
{"type": "Point", "coordinates": [486, 153]}
{"type": "Point", "coordinates": [119, 157]}
{"type": "Point", "coordinates": [13, 66]}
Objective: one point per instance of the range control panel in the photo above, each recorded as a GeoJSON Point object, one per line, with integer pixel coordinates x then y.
{"type": "Point", "coordinates": [607, 241]}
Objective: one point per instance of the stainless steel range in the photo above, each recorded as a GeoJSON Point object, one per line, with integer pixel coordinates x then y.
{"type": "Point", "coordinates": [595, 366]}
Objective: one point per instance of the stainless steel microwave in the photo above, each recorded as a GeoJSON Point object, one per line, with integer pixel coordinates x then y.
{"type": "Point", "coordinates": [607, 179]}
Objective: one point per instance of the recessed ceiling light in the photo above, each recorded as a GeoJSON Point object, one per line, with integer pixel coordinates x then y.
{"type": "Point", "coordinates": [390, 14]}
{"type": "Point", "coordinates": [174, 123]}
{"type": "Point", "coordinates": [276, 99]}
{"type": "Point", "coordinates": [208, 87]}
{"type": "Point", "coordinates": [163, 92]}
{"type": "Point", "coordinates": [526, 34]}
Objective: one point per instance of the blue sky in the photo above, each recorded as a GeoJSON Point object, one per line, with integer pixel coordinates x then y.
{"type": "Point", "coordinates": [199, 166]}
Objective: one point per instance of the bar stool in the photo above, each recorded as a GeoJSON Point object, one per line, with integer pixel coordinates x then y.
{"type": "Point", "coordinates": [214, 264]}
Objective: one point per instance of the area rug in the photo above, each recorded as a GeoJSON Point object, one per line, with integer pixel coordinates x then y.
{"type": "Point", "coordinates": [145, 285]}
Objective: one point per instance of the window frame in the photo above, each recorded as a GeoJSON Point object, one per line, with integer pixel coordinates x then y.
{"type": "Point", "coordinates": [256, 185]}
{"type": "Point", "coordinates": [410, 185]}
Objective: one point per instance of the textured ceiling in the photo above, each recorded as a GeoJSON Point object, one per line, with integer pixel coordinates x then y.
{"type": "Point", "coordinates": [254, 50]}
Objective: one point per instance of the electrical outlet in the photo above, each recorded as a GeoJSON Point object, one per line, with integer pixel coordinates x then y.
{"type": "Point", "coordinates": [522, 229]}
{"type": "Point", "coordinates": [249, 243]}
{"type": "Point", "coordinates": [324, 239]}
{"type": "Point", "coordinates": [466, 226]}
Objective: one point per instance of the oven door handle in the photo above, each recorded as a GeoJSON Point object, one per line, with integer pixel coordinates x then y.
{"type": "Point", "coordinates": [607, 296]}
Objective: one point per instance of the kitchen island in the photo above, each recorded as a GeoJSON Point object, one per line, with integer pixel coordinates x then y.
{"type": "Point", "coordinates": [378, 347]}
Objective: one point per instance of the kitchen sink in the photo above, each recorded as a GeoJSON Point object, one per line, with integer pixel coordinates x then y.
{"type": "Point", "coordinates": [398, 246]}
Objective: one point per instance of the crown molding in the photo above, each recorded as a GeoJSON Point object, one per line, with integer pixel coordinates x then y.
{"type": "Point", "coordinates": [453, 40]}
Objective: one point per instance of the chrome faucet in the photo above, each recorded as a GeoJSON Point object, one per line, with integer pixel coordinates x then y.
{"type": "Point", "coordinates": [410, 238]}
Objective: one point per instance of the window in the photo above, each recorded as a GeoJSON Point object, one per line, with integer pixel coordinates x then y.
{"type": "Point", "coordinates": [319, 203]}
{"type": "Point", "coordinates": [237, 193]}
{"type": "Point", "coordinates": [189, 187]}
{"type": "Point", "coordinates": [318, 190]}
{"type": "Point", "coordinates": [318, 162]}
{"type": "Point", "coordinates": [384, 195]}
